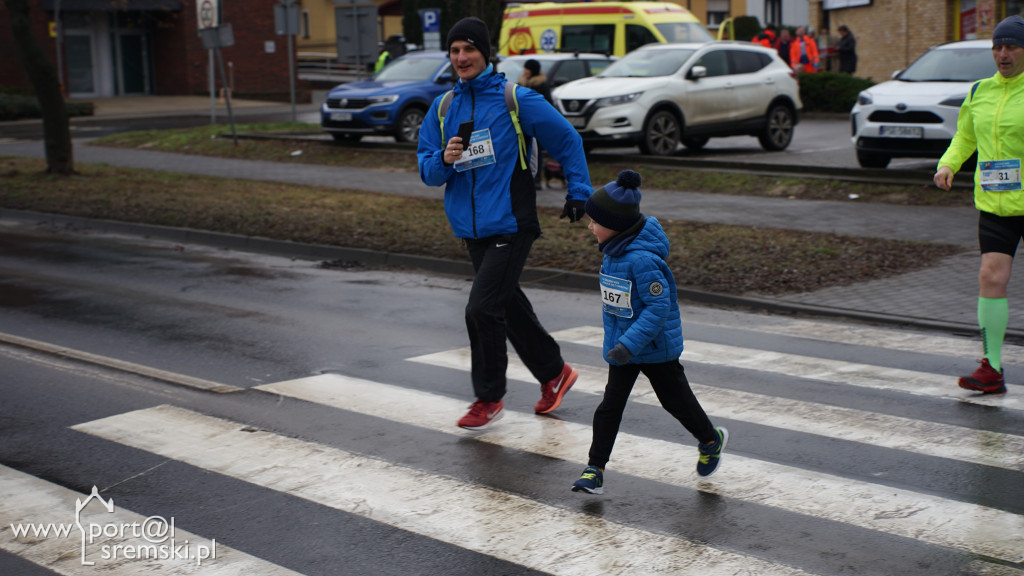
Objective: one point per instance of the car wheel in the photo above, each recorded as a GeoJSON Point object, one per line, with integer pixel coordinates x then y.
{"type": "Point", "coordinates": [695, 143]}
{"type": "Point", "coordinates": [870, 160]}
{"type": "Point", "coordinates": [352, 138]}
{"type": "Point", "coordinates": [778, 129]}
{"type": "Point", "coordinates": [661, 135]}
{"type": "Point", "coordinates": [408, 129]}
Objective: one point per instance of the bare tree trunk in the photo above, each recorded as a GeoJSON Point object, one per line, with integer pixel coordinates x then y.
{"type": "Point", "coordinates": [56, 127]}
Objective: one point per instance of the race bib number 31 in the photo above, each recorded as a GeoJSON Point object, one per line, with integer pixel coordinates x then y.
{"type": "Point", "coordinates": [480, 151]}
{"type": "Point", "coordinates": [1000, 175]}
{"type": "Point", "coordinates": [615, 294]}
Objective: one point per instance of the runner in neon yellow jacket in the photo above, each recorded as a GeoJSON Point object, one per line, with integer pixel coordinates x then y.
{"type": "Point", "coordinates": [992, 120]}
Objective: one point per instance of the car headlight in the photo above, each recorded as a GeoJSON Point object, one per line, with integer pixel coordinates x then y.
{"type": "Point", "coordinates": [383, 99]}
{"type": "Point", "coordinates": [953, 101]}
{"type": "Point", "coordinates": [617, 100]}
{"type": "Point", "coordinates": [865, 99]}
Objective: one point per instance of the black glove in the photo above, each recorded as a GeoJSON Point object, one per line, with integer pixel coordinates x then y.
{"type": "Point", "coordinates": [574, 209]}
{"type": "Point", "coordinates": [620, 354]}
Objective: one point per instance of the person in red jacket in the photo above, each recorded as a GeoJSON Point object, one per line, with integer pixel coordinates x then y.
{"type": "Point", "coordinates": [766, 38]}
{"type": "Point", "coordinates": [803, 52]}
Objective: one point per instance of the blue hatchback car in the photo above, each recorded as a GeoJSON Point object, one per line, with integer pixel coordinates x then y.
{"type": "Point", "coordinates": [392, 103]}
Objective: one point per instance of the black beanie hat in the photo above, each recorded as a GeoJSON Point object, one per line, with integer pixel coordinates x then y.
{"type": "Point", "coordinates": [474, 31]}
{"type": "Point", "coordinates": [617, 205]}
{"type": "Point", "coordinates": [1009, 31]}
{"type": "Point", "coordinates": [533, 66]}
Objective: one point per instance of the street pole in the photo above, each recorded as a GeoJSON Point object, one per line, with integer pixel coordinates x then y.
{"type": "Point", "coordinates": [291, 49]}
{"type": "Point", "coordinates": [60, 39]}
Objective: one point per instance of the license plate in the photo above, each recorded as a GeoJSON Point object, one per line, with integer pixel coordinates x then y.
{"type": "Point", "coordinates": [341, 116]}
{"type": "Point", "coordinates": [901, 131]}
{"type": "Point", "coordinates": [578, 122]}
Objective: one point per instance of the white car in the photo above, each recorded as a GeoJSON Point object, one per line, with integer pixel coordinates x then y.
{"type": "Point", "coordinates": [661, 95]}
{"type": "Point", "coordinates": [914, 114]}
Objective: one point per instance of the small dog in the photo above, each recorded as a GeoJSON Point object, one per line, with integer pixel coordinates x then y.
{"type": "Point", "coordinates": [553, 171]}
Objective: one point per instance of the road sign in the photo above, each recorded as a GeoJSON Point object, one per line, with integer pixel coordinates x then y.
{"type": "Point", "coordinates": [431, 18]}
{"type": "Point", "coordinates": [208, 12]}
{"type": "Point", "coordinates": [356, 26]}
{"type": "Point", "coordinates": [286, 19]}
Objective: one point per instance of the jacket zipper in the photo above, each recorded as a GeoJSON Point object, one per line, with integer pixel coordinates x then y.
{"type": "Point", "coordinates": [472, 173]}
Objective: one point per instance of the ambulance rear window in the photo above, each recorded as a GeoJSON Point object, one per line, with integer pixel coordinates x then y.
{"type": "Point", "coordinates": [598, 38]}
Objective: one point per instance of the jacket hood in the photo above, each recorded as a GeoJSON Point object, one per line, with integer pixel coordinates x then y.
{"type": "Point", "coordinates": [651, 238]}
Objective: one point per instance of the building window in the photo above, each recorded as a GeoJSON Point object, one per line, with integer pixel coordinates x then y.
{"type": "Point", "coordinates": [773, 12]}
{"type": "Point", "coordinates": [305, 24]}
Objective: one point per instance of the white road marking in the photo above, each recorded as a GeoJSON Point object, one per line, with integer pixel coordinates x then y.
{"type": "Point", "coordinates": [498, 524]}
{"type": "Point", "coordinates": [916, 436]}
{"type": "Point", "coordinates": [923, 517]}
{"type": "Point", "coordinates": [26, 500]}
{"type": "Point", "coordinates": [838, 371]}
{"type": "Point", "coordinates": [856, 335]}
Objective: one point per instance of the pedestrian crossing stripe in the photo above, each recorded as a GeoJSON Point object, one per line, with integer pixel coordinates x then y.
{"type": "Point", "coordinates": [837, 371]}
{"type": "Point", "coordinates": [858, 335]}
{"type": "Point", "coordinates": [872, 428]}
{"type": "Point", "coordinates": [25, 499]}
{"type": "Point", "coordinates": [899, 512]}
{"type": "Point", "coordinates": [478, 518]}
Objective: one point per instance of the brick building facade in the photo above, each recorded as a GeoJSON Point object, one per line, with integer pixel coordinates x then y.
{"type": "Point", "coordinates": [137, 47]}
{"type": "Point", "coordinates": [892, 33]}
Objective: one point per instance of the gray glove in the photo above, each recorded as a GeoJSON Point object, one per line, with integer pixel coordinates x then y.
{"type": "Point", "coordinates": [620, 354]}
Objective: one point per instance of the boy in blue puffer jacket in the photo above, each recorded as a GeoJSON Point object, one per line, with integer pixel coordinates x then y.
{"type": "Point", "coordinates": [642, 328]}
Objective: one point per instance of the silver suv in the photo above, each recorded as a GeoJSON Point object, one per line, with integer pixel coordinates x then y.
{"type": "Point", "coordinates": [661, 95]}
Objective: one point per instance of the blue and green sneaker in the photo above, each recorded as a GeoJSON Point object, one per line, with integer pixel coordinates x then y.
{"type": "Point", "coordinates": [591, 482]}
{"type": "Point", "coordinates": [711, 454]}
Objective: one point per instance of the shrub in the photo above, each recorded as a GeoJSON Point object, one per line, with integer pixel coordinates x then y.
{"type": "Point", "coordinates": [831, 91]}
{"type": "Point", "coordinates": [18, 107]}
{"type": "Point", "coordinates": [746, 27]}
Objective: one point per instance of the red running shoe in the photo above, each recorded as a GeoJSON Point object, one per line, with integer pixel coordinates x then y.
{"type": "Point", "coordinates": [985, 379]}
{"type": "Point", "coordinates": [481, 414]}
{"type": "Point", "coordinates": [551, 394]}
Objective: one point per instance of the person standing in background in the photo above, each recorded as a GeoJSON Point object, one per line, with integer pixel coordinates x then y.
{"type": "Point", "coordinates": [803, 52]}
{"type": "Point", "coordinates": [846, 48]}
{"type": "Point", "coordinates": [782, 45]}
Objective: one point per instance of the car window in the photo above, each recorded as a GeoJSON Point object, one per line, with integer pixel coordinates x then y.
{"type": "Point", "coordinates": [598, 66]}
{"type": "Point", "coordinates": [590, 38]}
{"type": "Point", "coordinates": [637, 36]}
{"type": "Point", "coordinates": [715, 62]}
{"type": "Point", "coordinates": [953, 65]}
{"type": "Point", "coordinates": [409, 70]}
{"type": "Point", "coordinates": [513, 68]}
{"type": "Point", "coordinates": [570, 70]}
{"type": "Point", "coordinates": [683, 32]}
{"type": "Point", "coordinates": [746, 61]}
{"type": "Point", "coordinates": [647, 63]}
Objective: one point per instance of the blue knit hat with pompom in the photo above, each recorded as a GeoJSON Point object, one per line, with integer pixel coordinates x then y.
{"type": "Point", "coordinates": [617, 205]}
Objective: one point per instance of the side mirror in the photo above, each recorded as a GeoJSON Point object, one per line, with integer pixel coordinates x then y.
{"type": "Point", "coordinates": [696, 72]}
{"type": "Point", "coordinates": [895, 74]}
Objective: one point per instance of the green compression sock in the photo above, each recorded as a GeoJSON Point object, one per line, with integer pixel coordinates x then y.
{"type": "Point", "coordinates": [993, 316]}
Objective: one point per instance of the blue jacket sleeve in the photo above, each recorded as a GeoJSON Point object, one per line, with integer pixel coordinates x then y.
{"type": "Point", "coordinates": [656, 305]}
{"type": "Point", "coordinates": [540, 120]}
{"type": "Point", "coordinates": [430, 149]}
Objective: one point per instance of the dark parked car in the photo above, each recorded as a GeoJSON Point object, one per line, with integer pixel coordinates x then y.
{"type": "Point", "coordinates": [392, 103]}
{"type": "Point", "coordinates": [559, 68]}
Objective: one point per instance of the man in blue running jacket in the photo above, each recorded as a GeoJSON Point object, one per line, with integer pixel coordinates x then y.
{"type": "Point", "coordinates": [491, 203]}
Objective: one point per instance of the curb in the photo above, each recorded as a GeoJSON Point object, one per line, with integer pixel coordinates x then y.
{"type": "Point", "coordinates": [550, 278]}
